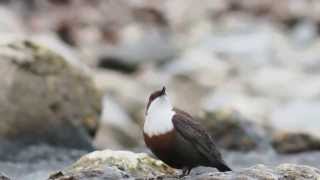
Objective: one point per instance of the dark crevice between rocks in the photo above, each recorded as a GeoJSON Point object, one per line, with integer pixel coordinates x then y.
{"type": "Point", "coordinates": [292, 22]}
{"type": "Point", "coordinates": [61, 2]}
{"type": "Point", "coordinates": [54, 107]}
{"type": "Point", "coordinates": [116, 64]}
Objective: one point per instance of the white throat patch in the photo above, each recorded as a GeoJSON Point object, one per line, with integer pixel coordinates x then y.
{"type": "Point", "coordinates": [159, 117]}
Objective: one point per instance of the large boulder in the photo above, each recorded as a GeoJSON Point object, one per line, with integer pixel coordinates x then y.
{"type": "Point", "coordinates": [109, 164]}
{"type": "Point", "coordinates": [44, 99]}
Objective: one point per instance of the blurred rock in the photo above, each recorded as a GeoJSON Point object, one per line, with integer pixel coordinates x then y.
{"type": "Point", "coordinates": [117, 129]}
{"type": "Point", "coordinates": [190, 99]}
{"type": "Point", "coordinates": [138, 44]}
{"type": "Point", "coordinates": [10, 22]}
{"type": "Point", "coordinates": [283, 171]}
{"type": "Point", "coordinates": [239, 160]}
{"type": "Point", "coordinates": [278, 82]}
{"type": "Point", "coordinates": [234, 95]}
{"type": "Point", "coordinates": [232, 131]}
{"type": "Point", "coordinates": [210, 71]}
{"type": "Point", "coordinates": [298, 116]}
{"type": "Point", "coordinates": [116, 64]}
{"type": "Point", "coordinates": [36, 162]}
{"type": "Point", "coordinates": [3, 177]}
{"type": "Point", "coordinates": [131, 93]}
{"type": "Point", "coordinates": [247, 49]}
{"type": "Point", "coordinates": [295, 142]}
{"type": "Point", "coordinates": [109, 164]}
{"type": "Point", "coordinates": [44, 99]}
{"type": "Point", "coordinates": [305, 33]}
{"type": "Point", "coordinates": [71, 55]}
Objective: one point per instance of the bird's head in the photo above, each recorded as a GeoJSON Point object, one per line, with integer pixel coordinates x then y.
{"type": "Point", "coordinates": [158, 99]}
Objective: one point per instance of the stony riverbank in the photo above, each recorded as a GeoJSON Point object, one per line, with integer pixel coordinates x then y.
{"type": "Point", "coordinates": [75, 77]}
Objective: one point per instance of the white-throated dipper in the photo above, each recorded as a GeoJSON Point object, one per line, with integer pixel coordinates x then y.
{"type": "Point", "coordinates": [176, 139]}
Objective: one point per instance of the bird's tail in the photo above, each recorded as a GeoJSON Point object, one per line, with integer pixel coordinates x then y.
{"type": "Point", "coordinates": [223, 167]}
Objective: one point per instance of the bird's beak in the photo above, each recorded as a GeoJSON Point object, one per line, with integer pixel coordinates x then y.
{"type": "Point", "coordinates": [163, 91]}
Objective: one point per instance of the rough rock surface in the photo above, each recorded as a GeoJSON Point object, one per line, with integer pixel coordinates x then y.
{"type": "Point", "coordinates": [127, 165]}
{"type": "Point", "coordinates": [295, 142]}
{"type": "Point", "coordinates": [114, 165]}
{"type": "Point", "coordinates": [44, 99]}
{"type": "Point", "coordinates": [282, 171]}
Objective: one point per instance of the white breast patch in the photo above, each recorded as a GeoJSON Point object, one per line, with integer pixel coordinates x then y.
{"type": "Point", "coordinates": [159, 117]}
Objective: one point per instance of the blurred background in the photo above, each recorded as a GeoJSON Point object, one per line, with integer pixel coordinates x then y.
{"type": "Point", "coordinates": [75, 76]}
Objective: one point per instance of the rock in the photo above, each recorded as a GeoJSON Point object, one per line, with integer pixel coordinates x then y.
{"type": "Point", "coordinates": [232, 131]}
{"type": "Point", "coordinates": [239, 160]}
{"type": "Point", "coordinates": [43, 99]}
{"type": "Point", "coordinates": [263, 83]}
{"type": "Point", "coordinates": [131, 93]}
{"type": "Point", "coordinates": [36, 162]}
{"type": "Point", "coordinates": [117, 129]}
{"type": "Point", "coordinates": [10, 22]}
{"type": "Point", "coordinates": [282, 171]}
{"type": "Point", "coordinates": [114, 165]}
{"type": "Point", "coordinates": [106, 173]}
{"type": "Point", "coordinates": [127, 165]}
{"type": "Point", "coordinates": [292, 117]}
{"type": "Point", "coordinates": [233, 95]}
{"type": "Point", "coordinates": [116, 64]}
{"type": "Point", "coordinates": [3, 177]}
{"type": "Point", "coordinates": [210, 71]}
{"type": "Point", "coordinates": [295, 142]}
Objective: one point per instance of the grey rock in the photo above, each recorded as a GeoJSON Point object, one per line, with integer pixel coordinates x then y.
{"type": "Point", "coordinates": [292, 117]}
{"type": "Point", "coordinates": [295, 142]}
{"type": "Point", "coordinates": [232, 131]}
{"type": "Point", "coordinates": [127, 165]}
{"type": "Point", "coordinates": [117, 129]}
{"type": "Point", "coordinates": [115, 164]}
{"type": "Point", "coordinates": [3, 177]}
{"type": "Point", "coordinates": [10, 22]}
{"type": "Point", "coordinates": [36, 162]}
{"type": "Point", "coordinates": [283, 171]}
{"type": "Point", "coordinates": [109, 173]}
{"type": "Point", "coordinates": [44, 100]}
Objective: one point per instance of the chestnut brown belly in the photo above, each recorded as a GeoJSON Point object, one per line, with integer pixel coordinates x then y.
{"type": "Point", "coordinates": [174, 150]}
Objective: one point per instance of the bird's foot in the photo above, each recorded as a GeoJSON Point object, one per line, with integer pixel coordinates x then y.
{"type": "Point", "coordinates": [185, 172]}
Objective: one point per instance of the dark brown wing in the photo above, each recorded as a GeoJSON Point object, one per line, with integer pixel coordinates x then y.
{"type": "Point", "coordinates": [179, 111]}
{"type": "Point", "coordinates": [194, 133]}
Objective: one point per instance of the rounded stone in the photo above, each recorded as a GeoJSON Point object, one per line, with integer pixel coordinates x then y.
{"type": "Point", "coordinates": [43, 99]}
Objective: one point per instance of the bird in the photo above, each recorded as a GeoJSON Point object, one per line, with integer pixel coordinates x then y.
{"type": "Point", "coordinates": [176, 138]}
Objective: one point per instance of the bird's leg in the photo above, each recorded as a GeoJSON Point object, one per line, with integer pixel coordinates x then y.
{"type": "Point", "coordinates": [185, 172]}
